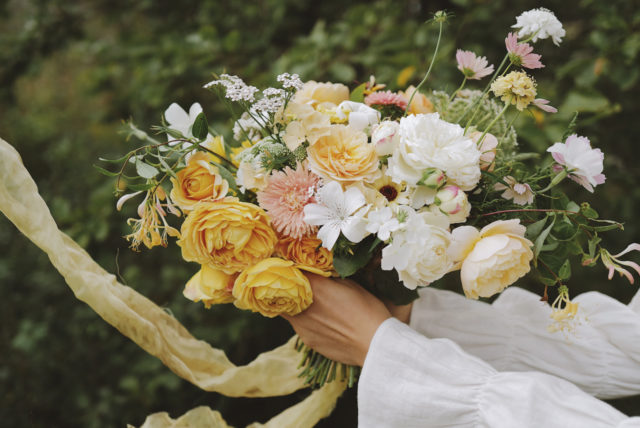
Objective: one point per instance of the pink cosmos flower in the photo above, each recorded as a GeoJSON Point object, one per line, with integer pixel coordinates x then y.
{"type": "Point", "coordinates": [583, 163]}
{"type": "Point", "coordinates": [284, 198]}
{"type": "Point", "coordinates": [520, 193]}
{"type": "Point", "coordinates": [520, 54]}
{"type": "Point", "coordinates": [472, 66]}
{"type": "Point", "coordinates": [385, 98]}
{"type": "Point", "coordinates": [542, 104]}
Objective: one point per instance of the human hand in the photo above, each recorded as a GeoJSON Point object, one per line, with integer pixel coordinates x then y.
{"type": "Point", "coordinates": [400, 312]}
{"type": "Point", "coordinates": [341, 321]}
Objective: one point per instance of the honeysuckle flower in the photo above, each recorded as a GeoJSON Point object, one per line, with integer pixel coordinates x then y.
{"type": "Point", "coordinates": [337, 211]}
{"type": "Point", "coordinates": [521, 193]}
{"type": "Point", "coordinates": [613, 263]}
{"type": "Point", "coordinates": [583, 164]}
{"type": "Point", "coordinates": [520, 54]}
{"type": "Point", "coordinates": [125, 198]}
{"type": "Point", "coordinates": [516, 88]}
{"type": "Point", "coordinates": [472, 66]}
{"type": "Point", "coordinates": [359, 116]}
{"type": "Point", "coordinates": [382, 222]}
{"type": "Point", "coordinates": [540, 24]}
{"type": "Point", "coordinates": [542, 104]}
{"type": "Point", "coordinates": [563, 317]}
{"type": "Point", "coordinates": [151, 228]}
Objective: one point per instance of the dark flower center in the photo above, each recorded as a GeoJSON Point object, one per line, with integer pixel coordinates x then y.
{"type": "Point", "coordinates": [389, 192]}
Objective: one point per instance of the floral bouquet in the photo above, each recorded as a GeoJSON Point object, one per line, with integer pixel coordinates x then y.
{"type": "Point", "coordinates": [391, 189]}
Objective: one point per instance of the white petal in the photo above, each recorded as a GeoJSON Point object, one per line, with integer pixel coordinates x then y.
{"type": "Point", "coordinates": [194, 111]}
{"type": "Point", "coordinates": [355, 229]}
{"type": "Point", "coordinates": [328, 234]}
{"type": "Point", "coordinates": [353, 199]}
{"type": "Point", "coordinates": [316, 214]}
{"type": "Point", "coordinates": [176, 116]}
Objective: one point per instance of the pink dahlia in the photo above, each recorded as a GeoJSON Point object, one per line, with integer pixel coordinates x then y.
{"type": "Point", "coordinates": [472, 66]}
{"type": "Point", "coordinates": [520, 54]}
{"type": "Point", "coordinates": [284, 198]}
{"type": "Point", "coordinates": [386, 98]}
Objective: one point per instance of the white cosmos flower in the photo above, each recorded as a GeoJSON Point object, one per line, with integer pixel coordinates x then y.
{"type": "Point", "coordinates": [180, 120]}
{"type": "Point", "coordinates": [337, 211]}
{"type": "Point", "coordinates": [540, 23]}
{"type": "Point", "coordinates": [382, 222]}
{"type": "Point", "coordinates": [583, 163]}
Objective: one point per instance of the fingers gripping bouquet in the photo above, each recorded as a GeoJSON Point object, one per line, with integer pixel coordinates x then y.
{"type": "Point", "coordinates": [393, 189]}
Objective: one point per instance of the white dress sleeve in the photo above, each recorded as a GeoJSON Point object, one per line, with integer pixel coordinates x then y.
{"type": "Point", "coordinates": [410, 381]}
{"type": "Point", "coordinates": [600, 353]}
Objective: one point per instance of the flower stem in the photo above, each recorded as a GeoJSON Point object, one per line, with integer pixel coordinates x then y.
{"type": "Point", "coordinates": [458, 90]}
{"type": "Point", "coordinates": [493, 122]}
{"type": "Point", "coordinates": [426, 76]}
{"type": "Point", "coordinates": [484, 92]}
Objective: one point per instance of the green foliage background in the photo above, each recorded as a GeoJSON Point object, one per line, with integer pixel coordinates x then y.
{"type": "Point", "coordinates": [70, 72]}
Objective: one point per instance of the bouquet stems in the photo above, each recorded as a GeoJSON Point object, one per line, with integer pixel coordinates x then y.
{"type": "Point", "coordinates": [318, 369]}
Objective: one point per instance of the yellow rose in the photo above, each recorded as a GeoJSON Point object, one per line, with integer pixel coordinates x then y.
{"type": "Point", "coordinates": [343, 155]}
{"type": "Point", "coordinates": [307, 252]}
{"type": "Point", "coordinates": [315, 93]}
{"type": "Point", "coordinates": [420, 104]}
{"type": "Point", "coordinates": [491, 259]}
{"type": "Point", "coordinates": [273, 287]}
{"type": "Point", "coordinates": [198, 181]}
{"type": "Point", "coordinates": [211, 286]}
{"type": "Point", "coordinates": [227, 235]}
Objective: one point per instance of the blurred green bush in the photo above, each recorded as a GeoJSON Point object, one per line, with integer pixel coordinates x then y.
{"type": "Point", "coordinates": [72, 71]}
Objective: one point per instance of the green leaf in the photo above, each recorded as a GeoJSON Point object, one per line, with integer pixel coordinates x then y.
{"type": "Point", "coordinates": [541, 238]}
{"type": "Point", "coordinates": [142, 186]}
{"type": "Point", "coordinates": [167, 168]}
{"type": "Point", "coordinates": [587, 211]}
{"type": "Point", "coordinates": [548, 281]}
{"type": "Point", "coordinates": [145, 170]}
{"type": "Point", "coordinates": [347, 264]}
{"type": "Point", "coordinates": [106, 172]}
{"type": "Point", "coordinates": [534, 229]}
{"type": "Point", "coordinates": [357, 95]}
{"type": "Point", "coordinates": [565, 270]}
{"type": "Point", "coordinates": [564, 230]}
{"type": "Point", "coordinates": [224, 173]}
{"type": "Point", "coordinates": [573, 207]}
{"type": "Point", "coordinates": [609, 227]}
{"type": "Point", "coordinates": [119, 160]}
{"type": "Point", "coordinates": [200, 128]}
{"type": "Point", "coordinates": [593, 243]}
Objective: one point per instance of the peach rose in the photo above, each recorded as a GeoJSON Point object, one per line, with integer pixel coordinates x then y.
{"type": "Point", "coordinates": [198, 181]}
{"type": "Point", "coordinates": [343, 155]}
{"type": "Point", "coordinates": [211, 286]}
{"type": "Point", "coordinates": [306, 125]}
{"type": "Point", "coordinates": [315, 93]}
{"type": "Point", "coordinates": [273, 287]}
{"type": "Point", "coordinates": [227, 235]}
{"type": "Point", "coordinates": [420, 103]}
{"type": "Point", "coordinates": [306, 252]}
{"type": "Point", "coordinates": [491, 259]}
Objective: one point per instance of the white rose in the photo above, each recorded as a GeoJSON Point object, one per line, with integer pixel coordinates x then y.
{"type": "Point", "coordinates": [453, 202]}
{"type": "Point", "coordinates": [491, 259]}
{"type": "Point", "coordinates": [385, 137]}
{"type": "Point", "coordinates": [418, 251]}
{"type": "Point", "coordinates": [426, 141]}
{"type": "Point", "coordinates": [360, 116]}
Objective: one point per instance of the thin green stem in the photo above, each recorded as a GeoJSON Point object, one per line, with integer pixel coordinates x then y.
{"type": "Point", "coordinates": [458, 90]}
{"type": "Point", "coordinates": [493, 122]}
{"type": "Point", "coordinates": [426, 76]}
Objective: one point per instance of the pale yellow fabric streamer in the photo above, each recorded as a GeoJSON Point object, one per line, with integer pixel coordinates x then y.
{"type": "Point", "coordinates": [271, 373]}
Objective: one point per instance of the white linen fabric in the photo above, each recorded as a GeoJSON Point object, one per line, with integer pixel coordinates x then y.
{"type": "Point", "coordinates": [410, 380]}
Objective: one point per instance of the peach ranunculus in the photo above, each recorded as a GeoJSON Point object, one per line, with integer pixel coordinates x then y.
{"type": "Point", "coordinates": [273, 287]}
{"type": "Point", "coordinates": [322, 93]}
{"type": "Point", "coordinates": [343, 155]}
{"type": "Point", "coordinates": [306, 125]}
{"type": "Point", "coordinates": [491, 259]}
{"type": "Point", "coordinates": [211, 286]}
{"type": "Point", "coordinates": [306, 252]}
{"type": "Point", "coordinates": [227, 235]}
{"type": "Point", "coordinates": [420, 103]}
{"type": "Point", "coordinates": [198, 181]}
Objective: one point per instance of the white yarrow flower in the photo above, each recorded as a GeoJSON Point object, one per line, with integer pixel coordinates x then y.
{"type": "Point", "coordinates": [337, 211]}
{"type": "Point", "coordinates": [540, 24]}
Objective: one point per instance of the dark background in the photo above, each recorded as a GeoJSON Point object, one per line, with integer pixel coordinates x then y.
{"type": "Point", "coordinates": [71, 72]}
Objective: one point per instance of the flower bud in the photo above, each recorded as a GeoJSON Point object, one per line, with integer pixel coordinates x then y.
{"type": "Point", "coordinates": [433, 178]}
{"type": "Point", "coordinates": [487, 150]}
{"type": "Point", "coordinates": [453, 202]}
{"type": "Point", "coordinates": [385, 137]}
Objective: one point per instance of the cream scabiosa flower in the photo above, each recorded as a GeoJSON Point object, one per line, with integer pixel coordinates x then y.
{"type": "Point", "coordinates": [583, 163]}
{"type": "Point", "coordinates": [426, 141]}
{"type": "Point", "coordinates": [337, 211]}
{"type": "Point", "coordinates": [539, 23]}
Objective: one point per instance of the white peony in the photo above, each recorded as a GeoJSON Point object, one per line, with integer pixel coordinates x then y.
{"type": "Point", "coordinates": [583, 163]}
{"type": "Point", "coordinates": [418, 251]}
{"type": "Point", "coordinates": [360, 116]}
{"type": "Point", "coordinates": [426, 141]}
{"type": "Point", "coordinates": [540, 24]}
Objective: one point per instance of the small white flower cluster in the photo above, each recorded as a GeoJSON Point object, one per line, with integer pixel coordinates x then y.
{"type": "Point", "coordinates": [271, 102]}
{"type": "Point", "coordinates": [290, 81]}
{"type": "Point", "coordinates": [236, 89]}
{"type": "Point", "coordinates": [246, 128]}
{"type": "Point", "coordinates": [540, 24]}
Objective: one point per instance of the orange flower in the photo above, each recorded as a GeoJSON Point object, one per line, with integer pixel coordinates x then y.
{"type": "Point", "coordinates": [343, 155]}
{"type": "Point", "coordinates": [306, 252]}
{"type": "Point", "coordinates": [420, 103]}
{"type": "Point", "coordinates": [198, 181]}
